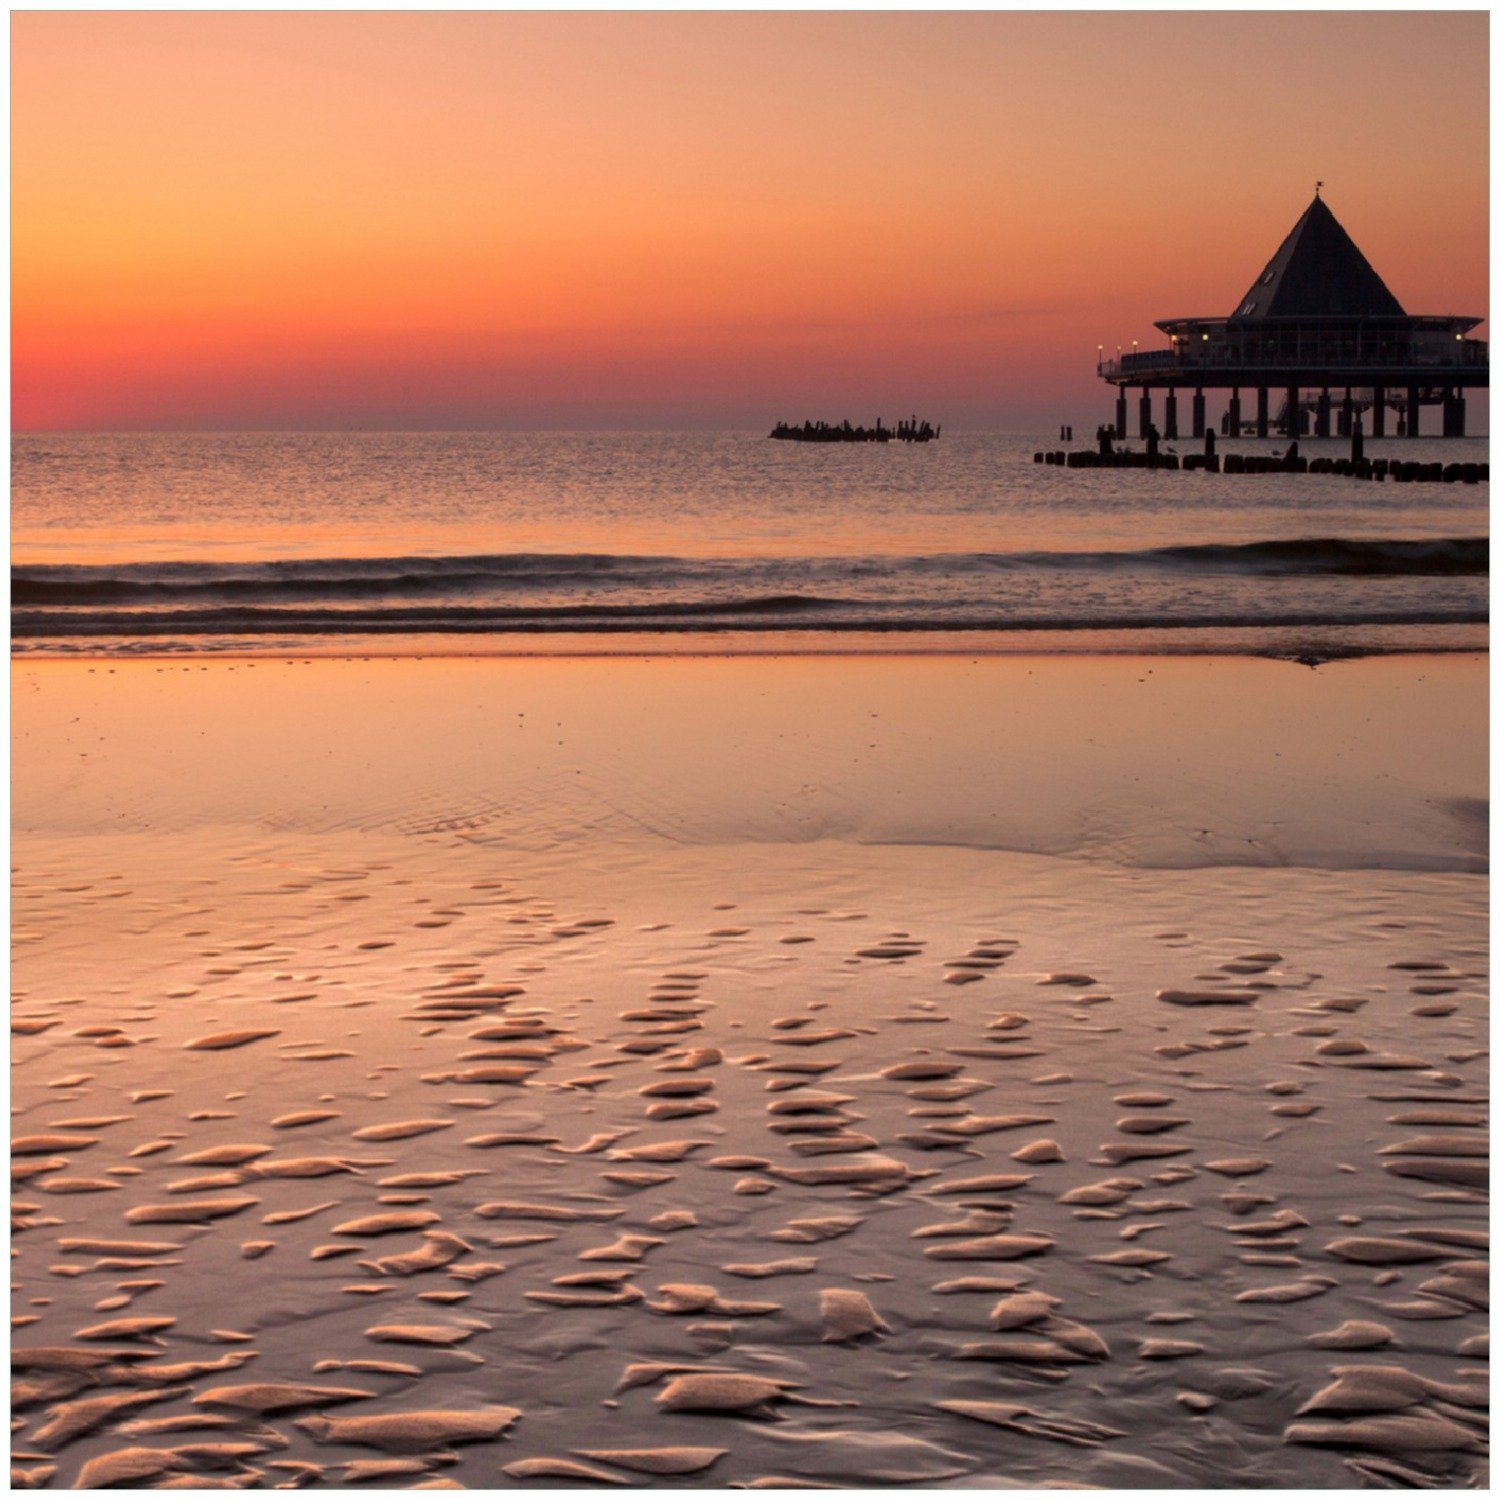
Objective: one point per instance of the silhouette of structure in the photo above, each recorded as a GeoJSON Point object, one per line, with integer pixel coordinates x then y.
{"type": "Point", "coordinates": [911, 431]}
{"type": "Point", "coordinates": [1317, 320]}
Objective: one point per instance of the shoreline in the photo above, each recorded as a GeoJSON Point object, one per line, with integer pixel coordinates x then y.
{"type": "Point", "coordinates": [563, 646]}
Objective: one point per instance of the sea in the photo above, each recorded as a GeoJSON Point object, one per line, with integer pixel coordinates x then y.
{"type": "Point", "coordinates": [379, 542]}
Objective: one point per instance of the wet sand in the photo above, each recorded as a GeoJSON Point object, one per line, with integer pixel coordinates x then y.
{"type": "Point", "coordinates": [750, 1073]}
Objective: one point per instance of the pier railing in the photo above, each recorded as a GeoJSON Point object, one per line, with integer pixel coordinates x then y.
{"type": "Point", "coordinates": [1456, 355]}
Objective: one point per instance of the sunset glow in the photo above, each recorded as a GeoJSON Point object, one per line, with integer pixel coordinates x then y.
{"type": "Point", "coordinates": [470, 220]}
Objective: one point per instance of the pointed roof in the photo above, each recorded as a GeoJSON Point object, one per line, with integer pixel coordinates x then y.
{"type": "Point", "coordinates": [1318, 272]}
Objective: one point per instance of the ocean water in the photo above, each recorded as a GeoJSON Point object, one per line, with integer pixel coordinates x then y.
{"type": "Point", "coordinates": [427, 542]}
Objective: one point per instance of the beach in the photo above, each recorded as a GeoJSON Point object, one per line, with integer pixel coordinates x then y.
{"type": "Point", "coordinates": [758, 1070]}
{"type": "Point", "coordinates": [726, 773]}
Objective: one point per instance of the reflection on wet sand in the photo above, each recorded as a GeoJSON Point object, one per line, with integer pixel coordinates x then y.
{"type": "Point", "coordinates": [601, 1140]}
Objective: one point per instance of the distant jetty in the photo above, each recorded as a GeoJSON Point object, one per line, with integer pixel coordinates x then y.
{"type": "Point", "coordinates": [911, 431]}
{"type": "Point", "coordinates": [1356, 466]}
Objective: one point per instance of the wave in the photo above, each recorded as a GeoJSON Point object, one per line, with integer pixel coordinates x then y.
{"type": "Point", "coordinates": [351, 579]}
{"type": "Point", "coordinates": [332, 577]}
{"type": "Point", "coordinates": [779, 612]}
{"type": "Point", "coordinates": [1357, 555]}
{"type": "Point", "coordinates": [1310, 556]}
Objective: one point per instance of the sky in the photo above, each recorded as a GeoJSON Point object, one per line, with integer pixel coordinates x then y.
{"type": "Point", "coordinates": [475, 220]}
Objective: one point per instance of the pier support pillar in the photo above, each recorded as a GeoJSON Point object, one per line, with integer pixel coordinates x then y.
{"type": "Point", "coordinates": [1169, 420]}
{"type": "Point", "coordinates": [1234, 414]}
{"type": "Point", "coordinates": [1453, 413]}
{"type": "Point", "coordinates": [1199, 416]}
{"type": "Point", "coordinates": [1377, 412]}
{"type": "Point", "coordinates": [1122, 412]}
{"type": "Point", "coordinates": [1413, 411]}
{"type": "Point", "coordinates": [1293, 412]}
{"type": "Point", "coordinates": [1323, 424]}
{"type": "Point", "coordinates": [1346, 414]}
{"type": "Point", "coordinates": [1145, 410]}
{"type": "Point", "coordinates": [1460, 414]}
{"type": "Point", "coordinates": [1262, 412]}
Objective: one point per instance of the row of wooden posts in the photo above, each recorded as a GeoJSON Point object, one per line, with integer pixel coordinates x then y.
{"type": "Point", "coordinates": [1356, 466]}
{"type": "Point", "coordinates": [1378, 469]}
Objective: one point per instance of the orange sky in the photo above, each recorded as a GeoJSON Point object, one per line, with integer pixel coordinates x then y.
{"type": "Point", "coordinates": [475, 220]}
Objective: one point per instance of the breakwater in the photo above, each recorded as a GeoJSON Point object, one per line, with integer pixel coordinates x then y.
{"type": "Point", "coordinates": [1377, 470]}
{"type": "Point", "coordinates": [911, 431]}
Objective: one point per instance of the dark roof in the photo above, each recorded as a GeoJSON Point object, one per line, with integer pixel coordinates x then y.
{"type": "Point", "coordinates": [1318, 272]}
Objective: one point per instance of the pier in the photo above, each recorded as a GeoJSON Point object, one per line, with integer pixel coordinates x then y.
{"type": "Point", "coordinates": [1318, 335]}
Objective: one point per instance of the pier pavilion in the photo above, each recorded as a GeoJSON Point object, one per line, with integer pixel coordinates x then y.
{"type": "Point", "coordinates": [1317, 320]}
